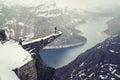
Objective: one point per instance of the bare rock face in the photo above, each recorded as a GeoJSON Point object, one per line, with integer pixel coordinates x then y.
{"type": "Point", "coordinates": [43, 71]}
{"type": "Point", "coordinates": [28, 71]}
{"type": "Point", "coordinates": [101, 62]}
{"type": "Point", "coordinates": [35, 70]}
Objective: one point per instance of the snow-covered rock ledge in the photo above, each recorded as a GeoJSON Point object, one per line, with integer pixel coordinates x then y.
{"type": "Point", "coordinates": [44, 38]}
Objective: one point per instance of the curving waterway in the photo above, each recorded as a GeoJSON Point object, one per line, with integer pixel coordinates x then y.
{"type": "Point", "coordinates": [92, 30]}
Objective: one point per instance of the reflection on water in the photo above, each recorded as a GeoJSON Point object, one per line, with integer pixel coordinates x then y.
{"type": "Point", "coordinates": [60, 57]}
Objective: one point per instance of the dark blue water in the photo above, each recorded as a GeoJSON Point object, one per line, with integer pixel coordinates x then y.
{"type": "Point", "coordinates": [54, 56]}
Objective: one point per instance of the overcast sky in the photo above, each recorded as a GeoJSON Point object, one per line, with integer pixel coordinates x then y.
{"type": "Point", "coordinates": [82, 4]}
{"type": "Point", "coordinates": [88, 3]}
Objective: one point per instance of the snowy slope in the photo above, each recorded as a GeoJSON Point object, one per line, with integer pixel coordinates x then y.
{"type": "Point", "coordinates": [12, 56]}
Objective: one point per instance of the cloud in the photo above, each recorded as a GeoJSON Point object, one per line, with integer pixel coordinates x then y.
{"type": "Point", "coordinates": [87, 4]}
{"type": "Point", "coordinates": [82, 4]}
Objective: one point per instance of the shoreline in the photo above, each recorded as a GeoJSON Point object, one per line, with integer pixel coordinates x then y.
{"type": "Point", "coordinates": [66, 46]}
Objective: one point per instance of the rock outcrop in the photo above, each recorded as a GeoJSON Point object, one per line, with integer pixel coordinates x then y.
{"type": "Point", "coordinates": [36, 69]}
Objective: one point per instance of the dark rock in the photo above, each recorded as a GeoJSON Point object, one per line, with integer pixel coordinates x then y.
{"type": "Point", "coordinates": [43, 71]}
{"type": "Point", "coordinates": [35, 70]}
{"type": "Point", "coordinates": [28, 71]}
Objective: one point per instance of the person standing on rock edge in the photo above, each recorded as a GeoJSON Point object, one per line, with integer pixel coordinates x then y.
{"type": "Point", "coordinates": [55, 29]}
{"type": "Point", "coordinates": [21, 40]}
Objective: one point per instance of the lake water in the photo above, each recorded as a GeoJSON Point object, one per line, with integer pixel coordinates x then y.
{"type": "Point", "coordinates": [92, 31]}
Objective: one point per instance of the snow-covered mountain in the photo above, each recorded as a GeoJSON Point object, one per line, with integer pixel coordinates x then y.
{"type": "Point", "coordinates": [35, 21]}
{"type": "Point", "coordinates": [101, 62]}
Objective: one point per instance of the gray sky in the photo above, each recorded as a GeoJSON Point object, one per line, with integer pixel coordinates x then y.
{"type": "Point", "coordinates": [86, 4]}
{"type": "Point", "coordinates": [82, 4]}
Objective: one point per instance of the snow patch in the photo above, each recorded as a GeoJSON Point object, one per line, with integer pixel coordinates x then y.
{"type": "Point", "coordinates": [81, 71]}
{"type": "Point", "coordinates": [117, 75]}
{"type": "Point", "coordinates": [82, 75]}
{"type": "Point", "coordinates": [71, 76]}
{"type": "Point", "coordinates": [91, 74]}
{"type": "Point", "coordinates": [21, 23]}
{"type": "Point", "coordinates": [99, 47]}
{"type": "Point", "coordinates": [112, 78]}
{"type": "Point", "coordinates": [82, 64]}
{"type": "Point", "coordinates": [103, 77]}
{"type": "Point", "coordinates": [112, 51]}
{"type": "Point", "coordinates": [113, 71]}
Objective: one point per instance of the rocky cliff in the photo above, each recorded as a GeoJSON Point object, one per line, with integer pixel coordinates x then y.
{"type": "Point", "coordinates": [36, 69]}
{"type": "Point", "coordinates": [98, 63]}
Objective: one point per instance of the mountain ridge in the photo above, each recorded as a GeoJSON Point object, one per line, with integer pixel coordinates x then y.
{"type": "Point", "coordinates": [98, 63]}
{"type": "Point", "coordinates": [33, 22]}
